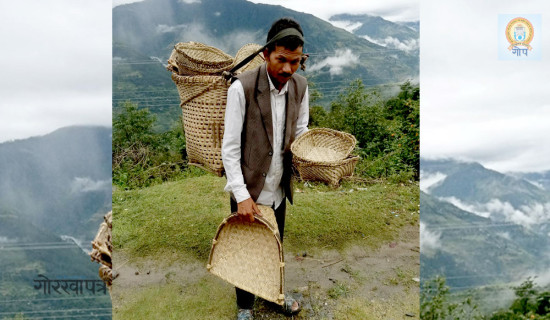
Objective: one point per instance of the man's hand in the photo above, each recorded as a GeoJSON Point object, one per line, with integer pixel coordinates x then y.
{"type": "Point", "coordinates": [247, 208]}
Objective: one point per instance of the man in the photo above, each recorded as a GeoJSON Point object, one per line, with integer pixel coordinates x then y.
{"type": "Point", "coordinates": [267, 108]}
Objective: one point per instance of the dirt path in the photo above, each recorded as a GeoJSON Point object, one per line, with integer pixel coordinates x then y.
{"type": "Point", "coordinates": [359, 283]}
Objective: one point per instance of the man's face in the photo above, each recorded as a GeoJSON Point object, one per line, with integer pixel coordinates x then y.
{"type": "Point", "coordinates": [282, 63]}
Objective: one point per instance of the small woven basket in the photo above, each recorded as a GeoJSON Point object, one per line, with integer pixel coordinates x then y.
{"type": "Point", "coordinates": [197, 72]}
{"type": "Point", "coordinates": [324, 155]}
{"type": "Point", "coordinates": [249, 255]}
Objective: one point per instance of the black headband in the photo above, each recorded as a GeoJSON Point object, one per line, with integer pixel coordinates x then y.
{"type": "Point", "coordinates": [283, 34]}
{"type": "Point", "coordinates": [280, 35]}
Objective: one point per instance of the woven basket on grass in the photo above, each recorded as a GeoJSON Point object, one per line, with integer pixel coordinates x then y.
{"type": "Point", "coordinates": [249, 255]}
{"type": "Point", "coordinates": [324, 155]}
{"type": "Point", "coordinates": [197, 71]}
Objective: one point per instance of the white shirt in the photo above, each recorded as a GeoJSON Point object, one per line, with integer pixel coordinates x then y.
{"type": "Point", "coordinates": [272, 192]}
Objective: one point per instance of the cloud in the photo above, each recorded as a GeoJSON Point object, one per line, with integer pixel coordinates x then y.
{"type": "Point", "coordinates": [336, 63]}
{"type": "Point", "coordinates": [190, 1]}
{"type": "Point", "coordinates": [85, 184]}
{"type": "Point", "coordinates": [394, 43]}
{"type": "Point", "coordinates": [57, 71]}
{"type": "Point", "coordinates": [162, 28]}
{"type": "Point", "coordinates": [429, 180]}
{"type": "Point", "coordinates": [346, 25]}
{"type": "Point", "coordinates": [525, 215]}
{"type": "Point", "coordinates": [429, 240]}
{"type": "Point", "coordinates": [473, 208]}
{"type": "Point", "coordinates": [4, 240]}
{"type": "Point", "coordinates": [474, 105]}
{"type": "Point", "coordinates": [199, 33]}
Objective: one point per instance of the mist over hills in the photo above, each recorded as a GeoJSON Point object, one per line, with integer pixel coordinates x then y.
{"type": "Point", "coordinates": [144, 34]}
{"type": "Point", "coordinates": [402, 36]}
{"type": "Point", "coordinates": [480, 226]}
{"type": "Point", "coordinates": [60, 181]}
{"type": "Point", "coordinates": [54, 191]}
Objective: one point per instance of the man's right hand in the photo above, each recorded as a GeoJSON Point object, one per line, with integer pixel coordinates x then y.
{"type": "Point", "coordinates": [247, 208]}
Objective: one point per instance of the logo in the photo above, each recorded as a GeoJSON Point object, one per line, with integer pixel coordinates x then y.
{"type": "Point", "coordinates": [519, 33]}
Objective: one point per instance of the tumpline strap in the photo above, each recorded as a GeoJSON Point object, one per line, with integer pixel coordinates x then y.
{"type": "Point", "coordinates": [282, 34]}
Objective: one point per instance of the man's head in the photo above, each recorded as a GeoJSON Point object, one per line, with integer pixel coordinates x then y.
{"type": "Point", "coordinates": [283, 56]}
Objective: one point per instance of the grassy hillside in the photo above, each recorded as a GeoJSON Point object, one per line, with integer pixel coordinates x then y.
{"type": "Point", "coordinates": [182, 216]}
{"type": "Point", "coordinates": [166, 232]}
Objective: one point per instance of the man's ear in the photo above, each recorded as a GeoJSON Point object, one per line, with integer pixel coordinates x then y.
{"type": "Point", "coordinates": [266, 53]}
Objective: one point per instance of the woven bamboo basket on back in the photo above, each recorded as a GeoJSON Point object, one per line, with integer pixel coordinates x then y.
{"type": "Point", "coordinates": [249, 255]}
{"type": "Point", "coordinates": [324, 155]}
{"type": "Point", "coordinates": [197, 72]}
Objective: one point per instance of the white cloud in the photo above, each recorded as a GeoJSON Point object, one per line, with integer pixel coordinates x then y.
{"type": "Point", "coordinates": [4, 240]}
{"type": "Point", "coordinates": [163, 28]}
{"type": "Point", "coordinates": [429, 240]}
{"type": "Point", "coordinates": [85, 184]}
{"type": "Point", "coordinates": [349, 26]}
{"type": "Point", "coordinates": [190, 1]}
{"type": "Point", "coordinates": [394, 43]}
{"type": "Point", "coordinates": [429, 180]}
{"type": "Point", "coordinates": [473, 208]}
{"type": "Point", "coordinates": [336, 63]}
{"type": "Point", "coordinates": [526, 215]}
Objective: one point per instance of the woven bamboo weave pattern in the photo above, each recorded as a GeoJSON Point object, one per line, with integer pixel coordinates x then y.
{"type": "Point", "coordinates": [329, 173]}
{"type": "Point", "coordinates": [194, 58]}
{"type": "Point", "coordinates": [324, 155]}
{"type": "Point", "coordinates": [250, 256]}
{"type": "Point", "coordinates": [321, 144]}
{"type": "Point", "coordinates": [197, 72]}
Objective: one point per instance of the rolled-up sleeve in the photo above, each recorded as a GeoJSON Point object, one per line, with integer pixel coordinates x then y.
{"type": "Point", "coordinates": [231, 146]}
{"type": "Point", "coordinates": [303, 115]}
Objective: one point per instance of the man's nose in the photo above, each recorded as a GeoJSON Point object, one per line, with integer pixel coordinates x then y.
{"type": "Point", "coordinates": [287, 68]}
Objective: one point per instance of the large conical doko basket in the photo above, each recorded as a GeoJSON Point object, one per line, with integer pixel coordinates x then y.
{"type": "Point", "coordinates": [249, 255]}
{"type": "Point", "coordinates": [197, 71]}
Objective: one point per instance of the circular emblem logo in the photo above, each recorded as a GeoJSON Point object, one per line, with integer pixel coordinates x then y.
{"type": "Point", "coordinates": [519, 32]}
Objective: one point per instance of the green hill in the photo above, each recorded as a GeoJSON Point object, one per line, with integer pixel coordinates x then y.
{"type": "Point", "coordinates": [144, 34]}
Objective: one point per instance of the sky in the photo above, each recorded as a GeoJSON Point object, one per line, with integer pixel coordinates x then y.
{"type": "Point", "coordinates": [55, 66]}
{"type": "Point", "coordinates": [475, 107]}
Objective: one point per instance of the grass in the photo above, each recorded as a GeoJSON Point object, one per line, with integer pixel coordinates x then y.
{"type": "Point", "coordinates": [396, 307]}
{"type": "Point", "coordinates": [181, 217]}
{"type": "Point", "coordinates": [207, 299]}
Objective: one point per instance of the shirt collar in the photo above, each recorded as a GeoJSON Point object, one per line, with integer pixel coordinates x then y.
{"type": "Point", "coordinates": [272, 87]}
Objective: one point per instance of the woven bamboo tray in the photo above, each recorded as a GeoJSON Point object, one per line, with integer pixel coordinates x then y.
{"type": "Point", "coordinates": [323, 154]}
{"type": "Point", "coordinates": [196, 70]}
{"type": "Point", "coordinates": [249, 255]}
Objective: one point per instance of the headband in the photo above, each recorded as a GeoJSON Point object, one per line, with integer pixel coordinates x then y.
{"type": "Point", "coordinates": [280, 35]}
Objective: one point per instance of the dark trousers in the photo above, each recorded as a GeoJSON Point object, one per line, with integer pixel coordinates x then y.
{"type": "Point", "coordinates": [245, 300]}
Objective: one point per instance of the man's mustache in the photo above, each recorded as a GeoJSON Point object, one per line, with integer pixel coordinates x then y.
{"type": "Point", "coordinates": [285, 75]}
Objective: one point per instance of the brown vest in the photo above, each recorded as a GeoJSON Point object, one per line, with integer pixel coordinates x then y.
{"type": "Point", "coordinates": [257, 134]}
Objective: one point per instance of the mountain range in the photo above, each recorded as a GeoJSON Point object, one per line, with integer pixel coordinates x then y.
{"type": "Point", "coordinates": [481, 227]}
{"type": "Point", "coordinates": [144, 34]}
{"type": "Point", "coordinates": [60, 181]}
{"type": "Point", "coordinates": [54, 191]}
